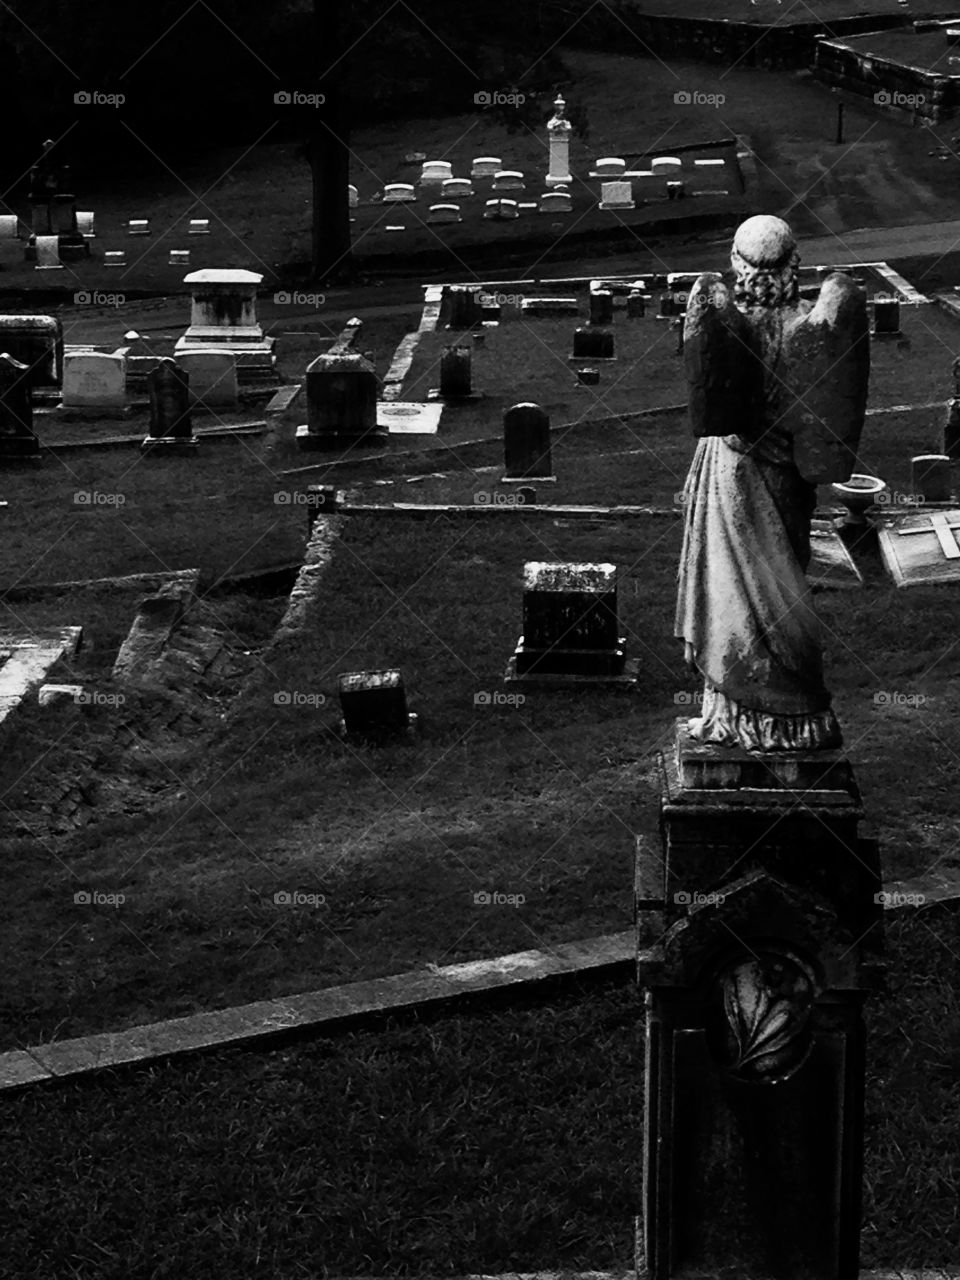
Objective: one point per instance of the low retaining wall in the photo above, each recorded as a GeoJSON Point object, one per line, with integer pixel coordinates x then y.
{"type": "Point", "coordinates": [908, 90]}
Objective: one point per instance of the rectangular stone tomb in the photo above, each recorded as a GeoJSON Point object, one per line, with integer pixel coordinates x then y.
{"type": "Point", "coordinates": [535, 307]}
{"type": "Point", "coordinates": [374, 706]}
{"type": "Point", "coordinates": [223, 313]}
{"type": "Point", "coordinates": [94, 384]}
{"type": "Point", "coordinates": [921, 548]}
{"type": "Point", "coordinates": [341, 403]}
{"type": "Point", "coordinates": [407, 418]}
{"type": "Point", "coordinates": [616, 195]}
{"type": "Point", "coordinates": [36, 341]}
{"type": "Point", "coordinates": [570, 627]}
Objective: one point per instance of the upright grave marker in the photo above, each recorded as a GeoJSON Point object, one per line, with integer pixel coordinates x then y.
{"type": "Point", "coordinates": [18, 444]}
{"type": "Point", "coordinates": [341, 403]}
{"type": "Point", "coordinates": [526, 445]}
{"type": "Point", "coordinates": [171, 427]}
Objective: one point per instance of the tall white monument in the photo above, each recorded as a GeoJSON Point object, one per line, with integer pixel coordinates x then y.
{"type": "Point", "coordinates": [559, 130]}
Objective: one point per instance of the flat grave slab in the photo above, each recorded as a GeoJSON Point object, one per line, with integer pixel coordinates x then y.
{"type": "Point", "coordinates": [921, 548]}
{"type": "Point", "coordinates": [405, 417]}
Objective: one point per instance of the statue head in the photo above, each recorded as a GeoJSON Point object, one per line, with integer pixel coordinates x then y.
{"type": "Point", "coordinates": [765, 259]}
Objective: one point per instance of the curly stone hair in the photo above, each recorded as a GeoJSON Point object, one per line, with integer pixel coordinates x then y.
{"type": "Point", "coordinates": [766, 286]}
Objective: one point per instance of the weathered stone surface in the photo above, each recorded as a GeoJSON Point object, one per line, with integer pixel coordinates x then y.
{"type": "Point", "coordinates": [152, 629]}
{"type": "Point", "coordinates": [526, 443]}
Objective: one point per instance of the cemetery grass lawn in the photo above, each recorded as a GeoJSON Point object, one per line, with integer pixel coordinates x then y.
{"type": "Point", "coordinates": [501, 1138]}
{"type": "Point", "coordinates": [539, 800]}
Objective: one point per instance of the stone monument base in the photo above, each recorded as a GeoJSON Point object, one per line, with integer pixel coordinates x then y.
{"type": "Point", "coordinates": [558, 667]}
{"type": "Point", "coordinates": [706, 766]}
{"type": "Point", "coordinates": [170, 446]}
{"type": "Point", "coordinates": [315, 441]}
{"type": "Point", "coordinates": [256, 359]}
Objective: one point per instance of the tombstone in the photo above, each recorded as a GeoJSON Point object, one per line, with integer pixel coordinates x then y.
{"type": "Point", "coordinates": [570, 627]}
{"type": "Point", "coordinates": [539, 307]}
{"type": "Point", "coordinates": [526, 444]}
{"type": "Point", "coordinates": [171, 427]}
{"type": "Point", "coordinates": [559, 130]}
{"type": "Point", "coordinates": [556, 202]}
{"type": "Point", "coordinates": [486, 167]}
{"type": "Point", "coordinates": [115, 258]}
{"type": "Point", "coordinates": [675, 189]}
{"type": "Point", "coordinates": [456, 188]}
{"type": "Point", "coordinates": [666, 166]}
{"type": "Point", "coordinates": [199, 227]}
{"type": "Point", "coordinates": [48, 253]}
{"type": "Point", "coordinates": [508, 180]}
{"type": "Point", "coordinates": [434, 172]}
{"type": "Point", "coordinates": [179, 258]}
{"type": "Point", "coordinates": [374, 707]}
{"type": "Point", "coordinates": [399, 193]}
{"type": "Point", "coordinates": [610, 167]}
{"type": "Point", "coordinates": [353, 196]}
{"type": "Point", "coordinates": [94, 384]}
{"type": "Point", "coordinates": [951, 421]}
{"type": "Point", "coordinates": [341, 403]}
{"type": "Point", "coordinates": [502, 210]}
{"type": "Point", "coordinates": [463, 305]}
{"type": "Point", "coordinates": [921, 548]}
{"type": "Point", "coordinates": [223, 313]}
{"type": "Point", "coordinates": [212, 377]}
{"type": "Point", "coordinates": [138, 227]}
{"type": "Point", "coordinates": [710, 163]}
{"type": "Point", "coordinates": [930, 477]}
{"type": "Point", "coordinates": [18, 444]}
{"type": "Point", "coordinates": [601, 306]}
{"type": "Point", "coordinates": [85, 227]}
{"type": "Point", "coordinates": [139, 361]}
{"type": "Point", "coordinates": [9, 226]}
{"type": "Point", "coordinates": [37, 341]}
{"type": "Point", "coordinates": [616, 195]}
{"type": "Point", "coordinates": [886, 316]}
{"type": "Point", "coordinates": [441, 213]}
{"type": "Point", "coordinates": [636, 307]}
{"type": "Point", "coordinates": [588, 377]}
{"type": "Point", "coordinates": [593, 344]}
{"type": "Point", "coordinates": [667, 305]}
{"type": "Point", "coordinates": [455, 373]}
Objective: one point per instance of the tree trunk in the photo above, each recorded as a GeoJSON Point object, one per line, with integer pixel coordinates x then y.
{"type": "Point", "coordinates": [328, 148]}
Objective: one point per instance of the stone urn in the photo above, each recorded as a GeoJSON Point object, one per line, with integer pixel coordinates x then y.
{"type": "Point", "coordinates": [858, 495]}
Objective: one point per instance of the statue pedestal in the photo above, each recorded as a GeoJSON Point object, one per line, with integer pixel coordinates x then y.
{"type": "Point", "coordinates": [759, 937]}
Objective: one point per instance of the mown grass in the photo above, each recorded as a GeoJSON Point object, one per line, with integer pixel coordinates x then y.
{"type": "Point", "coordinates": [541, 799]}
{"type": "Point", "coordinates": [506, 1137]}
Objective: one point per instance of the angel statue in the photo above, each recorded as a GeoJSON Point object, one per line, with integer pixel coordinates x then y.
{"type": "Point", "coordinates": [777, 395]}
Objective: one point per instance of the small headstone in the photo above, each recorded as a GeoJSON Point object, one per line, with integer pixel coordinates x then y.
{"type": "Point", "coordinates": [94, 383]}
{"type": "Point", "coordinates": [501, 209]}
{"type": "Point", "coordinates": [211, 376]}
{"type": "Point", "coordinates": [666, 166]}
{"type": "Point", "coordinates": [138, 227]}
{"type": "Point", "coordinates": [486, 167]}
{"type": "Point", "coordinates": [588, 377]}
{"type": "Point", "coordinates": [556, 202]}
{"type": "Point", "coordinates": [593, 344]}
{"type": "Point", "coordinates": [199, 227]}
{"type": "Point", "coordinates": [9, 226]}
{"type": "Point", "coordinates": [435, 171]}
{"type": "Point", "coordinates": [399, 193]}
{"type": "Point", "coordinates": [668, 305]}
{"type": "Point", "coordinates": [601, 306]}
{"type": "Point", "coordinates": [409, 417]}
{"type": "Point", "coordinates": [179, 258]}
{"type": "Point", "coordinates": [456, 188]}
{"type": "Point", "coordinates": [85, 221]}
{"type": "Point", "coordinates": [930, 477]}
{"type": "Point", "coordinates": [171, 427]}
{"type": "Point", "coordinates": [616, 195]}
{"type": "Point", "coordinates": [710, 164]}
{"type": "Point", "coordinates": [455, 377]}
{"type": "Point", "coordinates": [610, 167]}
{"type": "Point", "coordinates": [635, 305]}
{"type": "Point", "coordinates": [48, 253]}
{"type": "Point", "coordinates": [526, 443]}
{"type": "Point", "coordinates": [675, 189]}
{"type": "Point", "coordinates": [463, 305]}
{"type": "Point", "coordinates": [508, 180]}
{"type": "Point", "coordinates": [17, 441]}
{"type": "Point", "coordinates": [570, 625]}
{"type": "Point", "coordinates": [353, 196]}
{"type": "Point", "coordinates": [440, 213]}
{"type": "Point", "coordinates": [115, 258]}
{"type": "Point", "coordinates": [374, 706]}
{"type": "Point", "coordinates": [886, 316]}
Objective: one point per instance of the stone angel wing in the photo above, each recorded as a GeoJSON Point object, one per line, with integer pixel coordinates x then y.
{"type": "Point", "coordinates": [724, 375]}
{"type": "Point", "coordinates": [825, 366]}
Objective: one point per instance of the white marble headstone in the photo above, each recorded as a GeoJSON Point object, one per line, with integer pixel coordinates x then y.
{"type": "Point", "coordinates": [48, 253]}
{"type": "Point", "coordinates": [486, 167]}
{"type": "Point", "coordinates": [616, 195]}
{"type": "Point", "coordinates": [94, 380]}
{"type": "Point", "coordinates": [398, 193]}
{"type": "Point", "coordinates": [9, 226]}
{"type": "Point", "coordinates": [444, 213]}
{"type": "Point", "coordinates": [556, 202]}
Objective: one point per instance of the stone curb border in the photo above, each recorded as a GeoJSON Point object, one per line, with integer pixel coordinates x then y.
{"type": "Point", "coordinates": [332, 1006]}
{"type": "Point", "coordinates": [225, 432]}
{"type": "Point", "coordinates": [935, 1274]}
